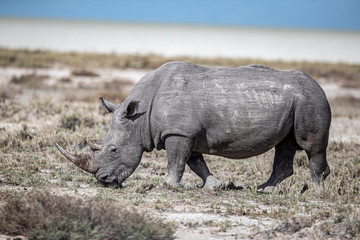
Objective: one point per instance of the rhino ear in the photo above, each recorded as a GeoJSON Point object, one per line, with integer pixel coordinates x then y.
{"type": "Point", "coordinates": [110, 107]}
{"type": "Point", "coordinates": [131, 111]}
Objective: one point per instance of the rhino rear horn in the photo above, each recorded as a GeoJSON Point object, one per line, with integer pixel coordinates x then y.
{"type": "Point", "coordinates": [110, 107]}
{"type": "Point", "coordinates": [85, 162]}
{"type": "Point", "coordinates": [95, 145]}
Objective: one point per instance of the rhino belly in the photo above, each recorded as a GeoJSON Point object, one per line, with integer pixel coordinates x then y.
{"type": "Point", "coordinates": [242, 144]}
{"type": "Point", "coordinates": [244, 147]}
{"type": "Point", "coordinates": [245, 132]}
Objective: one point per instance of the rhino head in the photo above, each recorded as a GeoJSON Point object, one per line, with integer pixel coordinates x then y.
{"type": "Point", "coordinates": [115, 157]}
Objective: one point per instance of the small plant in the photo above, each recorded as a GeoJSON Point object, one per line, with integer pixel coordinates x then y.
{"type": "Point", "coordinates": [24, 133]}
{"type": "Point", "coordinates": [71, 121]}
{"type": "Point", "coordinates": [84, 72]}
{"type": "Point", "coordinates": [29, 80]}
{"type": "Point", "coordinates": [65, 80]}
{"type": "Point", "coordinates": [8, 91]}
{"type": "Point", "coordinates": [224, 226]}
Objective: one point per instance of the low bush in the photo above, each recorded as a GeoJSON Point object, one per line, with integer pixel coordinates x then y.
{"type": "Point", "coordinates": [29, 80]}
{"type": "Point", "coordinates": [71, 121]}
{"type": "Point", "coordinates": [41, 215]}
{"type": "Point", "coordinates": [84, 72]}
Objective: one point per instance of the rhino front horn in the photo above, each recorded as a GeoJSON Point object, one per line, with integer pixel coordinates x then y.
{"type": "Point", "coordinates": [85, 162]}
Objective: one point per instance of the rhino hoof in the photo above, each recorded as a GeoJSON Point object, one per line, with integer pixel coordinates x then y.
{"type": "Point", "coordinates": [268, 189]}
{"type": "Point", "coordinates": [169, 184]}
{"type": "Point", "coordinates": [212, 183]}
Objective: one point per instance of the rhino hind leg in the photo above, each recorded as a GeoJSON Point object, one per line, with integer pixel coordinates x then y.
{"type": "Point", "coordinates": [198, 165]}
{"type": "Point", "coordinates": [312, 134]}
{"type": "Point", "coordinates": [283, 163]}
{"type": "Point", "coordinates": [319, 167]}
{"type": "Point", "coordinates": [315, 148]}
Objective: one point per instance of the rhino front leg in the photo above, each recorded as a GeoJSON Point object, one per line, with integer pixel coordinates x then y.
{"type": "Point", "coordinates": [198, 165]}
{"type": "Point", "coordinates": [178, 151]}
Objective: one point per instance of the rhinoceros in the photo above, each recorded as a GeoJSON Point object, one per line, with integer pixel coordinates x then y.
{"type": "Point", "coordinates": [237, 113]}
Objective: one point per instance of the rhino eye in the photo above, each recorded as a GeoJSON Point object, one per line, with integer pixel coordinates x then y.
{"type": "Point", "coordinates": [113, 149]}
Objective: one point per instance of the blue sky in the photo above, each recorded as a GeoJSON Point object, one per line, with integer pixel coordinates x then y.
{"type": "Point", "coordinates": [306, 14]}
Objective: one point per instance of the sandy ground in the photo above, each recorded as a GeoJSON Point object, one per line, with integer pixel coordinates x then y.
{"type": "Point", "coordinates": [181, 40]}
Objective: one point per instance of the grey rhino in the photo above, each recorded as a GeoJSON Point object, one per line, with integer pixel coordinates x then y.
{"type": "Point", "coordinates": [191, 110]}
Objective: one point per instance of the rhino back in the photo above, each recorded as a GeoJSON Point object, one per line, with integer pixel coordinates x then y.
{"type": "Point", "coordinates": [236, 112]}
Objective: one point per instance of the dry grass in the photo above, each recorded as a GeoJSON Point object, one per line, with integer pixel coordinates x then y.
{"type": "Point", "coordinates": [346, 74]}
{"type": "Point", "coordinates": [29, 80]}
{"type": "Point", "coordinates": [29, 160]}
{"type": "Point", "coordinates": [41, 215]}
{"type": "Point", "coordinates": [344, 106]}
{"type": "Point", "coordinates": [73, 121]}
{"type": "Point", "coordinates": [84, 72]}
{"type": "Point", "coordinates": [64, 80]}
{"type": "Point", "coordinates": [115, 91]}
{"type": "Point", "coordinates": [8, 91]}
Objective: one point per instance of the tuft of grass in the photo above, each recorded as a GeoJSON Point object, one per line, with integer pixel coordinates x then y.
{"type": "Point", "coordinates": [29, 80]}
{"type": "Point", "coordinates": [8, 91]}
{"type": "Point", "coordinates": [24, 133]}
{"type": "Point", "coordinates": [116, 96]}
{"type": "Point", "coordinates": [64, 80]}
{"type": "Point", "coordinates": [294, 224]}
{"type": "Point", "coordinates": [84, 72]}
{"type": "Point", "coordinates": [41, 215]}
{"type": "Point", "coordinates": [116, 90]}
{"type": "Point", "coordinates": [344, 224]}
{"type": "Point", "coordinates": [118, 83]}
{"type": "Point", "coordinates": [74, 120]}
{"type": "Point", "coordinates": [344, 106]}
{"type": "Point", "coordinates": [17, 139]}
{"type": "Point", "coordinates": [341, 223]}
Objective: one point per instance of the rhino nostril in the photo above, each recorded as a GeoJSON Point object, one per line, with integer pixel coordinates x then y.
{"type": "Point", "coordinates": [102, 178]}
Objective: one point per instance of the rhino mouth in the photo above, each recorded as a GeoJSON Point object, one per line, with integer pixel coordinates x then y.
{"type": "Point", "coordinates": [116, 179]}
{"type": "Point", "coordinates": [108, 181]}
{"type": "Point", "coordinates": [111, 184]}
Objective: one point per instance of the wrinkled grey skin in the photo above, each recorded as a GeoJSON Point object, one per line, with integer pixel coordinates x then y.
{"type": "Point", "coordinates": [190, 110]}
